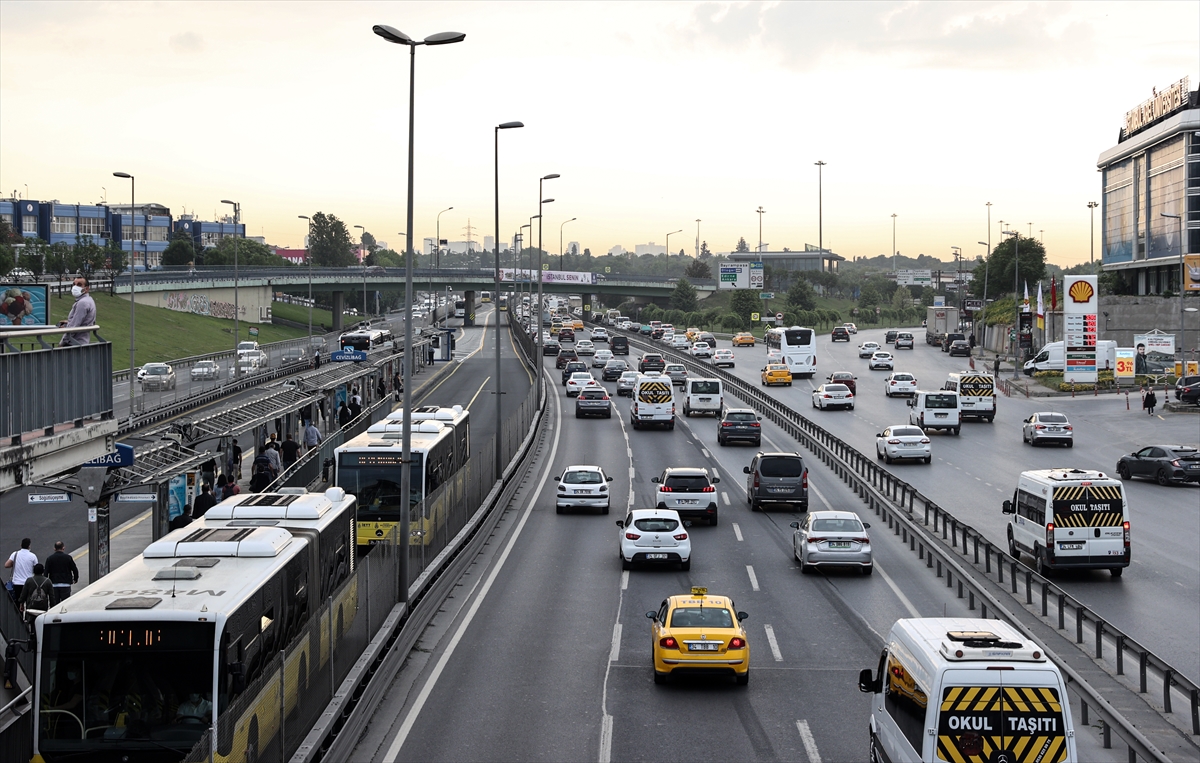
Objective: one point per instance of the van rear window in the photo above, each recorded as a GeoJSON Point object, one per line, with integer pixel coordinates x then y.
{"type": "Point", "coordinates": [779, 466]}
{"type": "Point", "coordinates": [941, 401]}
{"type": "Point", "coordinates": [985, 722]}
{"type": "Point", "coordinates": [706, 388]}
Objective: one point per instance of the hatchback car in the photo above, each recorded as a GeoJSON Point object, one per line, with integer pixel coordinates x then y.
{"type": "Point", "coordinates": [844, 377]}
{"type": "Point", "coordinates": [550, 346]}
{"type": "Point", "coordinates": [654, 536]}
{"type": "Point", "coordinates": [776, 373]}
{"type": "Point", "coordinates": [903, 441]}
{"type": "Point", "coordinates": [1163, 463]}
{"type": "Point", "coordinates": [599, 334]}
{"type": "Point", "coordinates": [565, 356]}
{"type": "Point", "coordinates": [960, 347]}
{"type": "Point", "coordinates": [867, 349]}
{"type": "Point", "coordinates": [158, 376]}
{"type": "Point", "coordinates": [613, 370]}
{"type": "Point", "coordinates": [833, 396]}
{"type": "Point", "coordinates": [593, 401]}
{"type": "Point", "coordinates": [578, 381]}
{"type": "Point", "coordinates": [575, 366]}
{"type": "Point", "coordinates": [1048, 427]}
{"type": "Point", "coordinates": [951, 339]}
{"type": "Point", "coordinates": [687, 490]}
{"type": "Point", "coordinates": [904, 341]}
{"type": "Point", "coordinates": [723, 358]}
{"type": "Point", "coordinates": [677, 372]}
{"type": "Point", "coordinates": [583, 487]}
{"type": "Point", "coordinates": [625, 383]}
{"type": "Point", "coordinates": [601, 357]}
{"type": "Point", "coordinates": [777, 479]}
{"type": "Point", "coordinates": [839, 334]}
{"type": "Point", "coordinates": [880, 360]}
{"type": "Point", "coordinates": [1187, 389]}
{"type": "Point", "coordinates": [701, 350]}
{"type": "Point", "coordinates": [205, 370]}
{"type": "Point", "coordinates": [699, 634]}
{"type": "Point", "coordinates": [899, 383]}
{"type": "Point", "coordinates": [890, 336]}
{"type": "Point", "coordinates": [585, 347]}
{"type": "Point", "coordinates": [680, 343]}
{"type": "Point", "coordinates": [832, 539]}
{"type": "Point", "coordinates": [651, 361]}
{"type": "Point", "coordinates": [743, 339]}
{"type": "Point", "coordinates": [739, 425]}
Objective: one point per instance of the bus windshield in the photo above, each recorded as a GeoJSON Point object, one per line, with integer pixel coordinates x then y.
{"type": "Point", "coordinates": [374, 478]}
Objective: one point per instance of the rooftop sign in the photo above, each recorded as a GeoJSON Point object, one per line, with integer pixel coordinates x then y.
{"type": "Point", "coordinates": [1163, 103]}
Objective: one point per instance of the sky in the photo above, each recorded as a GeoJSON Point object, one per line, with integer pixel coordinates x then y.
{"type": "Point", "coordinates": [654, 114]}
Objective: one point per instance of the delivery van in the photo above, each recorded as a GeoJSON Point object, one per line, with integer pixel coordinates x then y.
{"type": "Point", "coordinates": [653, 401]}
{"type": "Point", "coordinates": [966, 689]}
{"type": "Point", "coordinates": [703, 396]}
{"type": "Point", "coordinates": [935, 410]}
{"type": "Point", "coordinates": [976, 393]}
{"type": "Point", "coordinates": [1052, 357]}
{"type": "Point", "coordinates": [1069, 519]}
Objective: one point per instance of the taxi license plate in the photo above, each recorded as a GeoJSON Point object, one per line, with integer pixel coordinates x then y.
{"type": "Point", "coordinates": [688, 501]}
{"type": "Point", "coordinates": [839, 544]}
{"type": "Point", "coordinates": [656, 556]}
{"type": "Point", "coordinates": [711, 647]}
{"type": "Point", "coordinates": [1070, 546]}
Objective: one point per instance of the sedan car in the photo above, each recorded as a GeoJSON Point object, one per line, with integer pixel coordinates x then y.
{"type": "Point", "coordinates": [614, 369]}
{"type": "Point", "coordinates": [158, 376]}
{"type": "Point", "coordinates": [654, 536]}
{"type": "Point", "coordinates": [776, 373]}
{"type": "Point", "coordinates": [585, 347]}
{"type": "Point", "coordinates": [573, 367]}
{"type": "Point", "coordinates": [550, 346]}
{"type": "Point", "coordinates": [698, 633]}
{"type": "Point", "coordinates": [1048, 427]}
{"type": "Point", "coordinates": [903, 441]}
{"type": "Point", "coordinates": [601, 358]}
{"type": "Point", "coordinates": [844, 377]}
{"type": "Point", "coordinates": [839, 334]}
{"type": "Point", "coordinates": [205, 370]}
{"type": "Point", "coordinates": [687, 490]}
{"type": "Point", "coordinates": [593, 401]}
{"type": "Point", "coordinates": [578, 381]}
{"type": "Point", "coordinates": [851, 328]}
{"type": "Point", "coordinates": [743, 339]}
{"type": "Point", "coordinates": [583, 487]}
{"type": "Point", "coordinates": [900, 383]}
{"type": "Point", "coordinates": [679, 343]}
{"type": "Point", "coordinates": [677, 372]}
{"type": "Point", "coordinates": [626, 382]}
{"type": "Point", "coordinates": [881, 360]}
{"type": "Point", "coordinates": [1163, 463]}
{"type": "Point", "coordinates": [904, 341]}
{"type": "Point", "coordinates": [832, 539]}
{"type": "Point", "coordinates": [833, 396]}
{"type": "Point", "coordinates": [701, 350]}
{"type": "Point", "coordinates": [960, 347]}
{"type": "Point", "coordinates": [565, 356]}
{"type": "Point", "coordinates": [723, 358]}
{"type": "Point", "coordinates": [739, 425]}
{"type": "Point", "coordinates": [867, 349]}
{"type": "Point", "coordinates": [651, 361]}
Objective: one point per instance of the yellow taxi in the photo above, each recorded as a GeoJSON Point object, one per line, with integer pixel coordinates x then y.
{"type": "Point", "coordinates": [776, 373]}
{"type": "Point", "coordinates": [743, 339]}
{"type": "Point", "coordinates": [692, 333]}
{"type": "Point", "coordinates": [698, 633]}
{"type": "Point", "coordinates": [577, 324]}
{"type": "Point", "coordinates": [555, 327]}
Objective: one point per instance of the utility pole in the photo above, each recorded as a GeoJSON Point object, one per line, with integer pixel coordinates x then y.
{"type": "Point", "coordinates": [1092, 257]}
{"type": "Point", "coordinates": [697, 238]}
{"type": "Point", "coordinates": [893, 242]}
{"type": "Point", "coordinates": [820, 211]}
{"type": "Point", "coordinates": [761, 212]}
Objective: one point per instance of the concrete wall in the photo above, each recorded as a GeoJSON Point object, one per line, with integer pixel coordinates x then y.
{"type": "Point", "coordinates": [254, 302]}
{"type": "Point", "coordinates": [1137, 315]}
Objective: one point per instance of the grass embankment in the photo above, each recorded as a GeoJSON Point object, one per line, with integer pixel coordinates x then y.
{"type": "Point", "coordinates": [720, 300]}
{"type": "Point", "coordinates": [164, 334]}
{"type": "Point", "coordinates": [299, 314]}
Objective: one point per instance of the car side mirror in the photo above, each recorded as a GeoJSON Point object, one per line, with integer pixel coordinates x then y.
{"type": "Point", "coordinates": [745, 470]}
{"type": "Point", "coordinates": [621, 524]}
{"type": "Point", "coordinates": [912, 403]}
{"type": "Point", "coordinates": [655, 479]}
{"type": "Point", "coordinates": [795, 525]}
{"type": "Point", "coordinates": [652, 615]}
{"type": "Point", "coordinates": [879, 434]}
{"type": "Point", "coordinates": [760, 418]}
{"type": "Point", "coordinates": [742, 615]}
{"type": "Point", "coordinates": [715, 480]}
{"type": "Point", "coordinates": [867, 682]}
{"type": "Point", "coordinates": [867, 525]}
{"type": "Point", "coordinates": [610, 479]}
{"type": "Point", "coordinates": [1007, 507]}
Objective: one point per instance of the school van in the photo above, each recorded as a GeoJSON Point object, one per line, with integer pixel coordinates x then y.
{"type": "Point", "coordinates": [965, 689]}
{"type": "Point", "coordinates": [935, 410]}
{"type": "Point", "coordinates": [703, 396]}
{"type": "Point", "coordinates": [1069, 519]}
{"type": "Point", "coordinates": [976, 394]}
{"type": "Point", "coordinates": [653, 401]}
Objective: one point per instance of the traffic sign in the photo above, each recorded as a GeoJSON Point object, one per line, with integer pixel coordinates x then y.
{"type": "Point", "coordinates": [973, 304]}
{"type": "Point", "coordinates": [253, 331]}
{"type": "Point", "coordinates": [607, 269]}
{"type": "Point", "coordinates": [348, 354]}
{"type": "Point", "coordinates": [587, 307]}
{"type": "Point", "coordinates": [48, 498]}
{"type": "Point", "coordinates": [122, 456]}
{"type": "Point", "coordinates": [766, 295]}
{"type": "Point", "coordinates": [779, 317]}
{"type": "Point", "coordinates": [755, 317]}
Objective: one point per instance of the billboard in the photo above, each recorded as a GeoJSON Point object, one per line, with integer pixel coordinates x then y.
{"type": "Point", "coordinates": [513, 275]}
{"type": "Point", "coordinates": [1191, 263]}
{"type": "Point", "coordinates": [914, 277]}
{"type": "Point", "coordinates": [23, 304]}
{"type": "Point", "coordinates": [1080, 300]}
{"type": "Point", "coordinates": [1155, 353]}
{"type": "Point", "coordinates": [740, 275]}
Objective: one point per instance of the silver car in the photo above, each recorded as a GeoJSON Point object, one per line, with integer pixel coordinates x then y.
{"type": "Point", "coordinates": [205, 370]}
{"type": "Point", "coordinates": [1048, 427]}
{"type": "Point", "coordinates": [158, 376]}
{"type": "Point", "coordinates": [677, 372]}
{"type": "Point", "coordinates": [832, 539]}
{"type": "Point", "coordinates": [625, 383]}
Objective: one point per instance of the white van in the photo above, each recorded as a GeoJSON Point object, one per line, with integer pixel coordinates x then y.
{"type": "Point", "coordinates": [703, 396]}
{"type": "Point", "coordinates": [976, 393]}
{"type": "Point", "coordinates": [1052, 357]}
{"type": "Point", "coordinates": [936, 410]}
{"type": "Point", "coordinates": [1069, 518]}
{"type": "Point", "coordinates": [966, 689]}
{"type": "Point", "coordinates": [653, 401]}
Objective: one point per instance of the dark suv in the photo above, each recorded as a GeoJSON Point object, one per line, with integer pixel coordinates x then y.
{"type": "Point", "coordinates": [566, 335]}
{"type": "Point", "coordinates": [777, 478]}
{"type": "Point", "coordinates": [890, 336]}
{"type": "Point", "coordinates": [1187, 389]}
{"type": "Point", "coordinates": [619, 345]}
{"type": "Point", "coordinates": [840, 334]}
{"type": "Point", "coordinates": [574, 366]}
{"type": "Point", "coordinates": [739, 424]}
{"type": "Point", "coordinates": [565, 356]}
{"type": "Point", "coordinates": [651, 361]}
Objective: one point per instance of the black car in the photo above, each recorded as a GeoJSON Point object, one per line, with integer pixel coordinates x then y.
{"type": "Point", "coordinates": [739, 424]}
{"type": "Point", "coordinates": [551, 347]}
{"type": "Point", "coordinates": [960, 347]}
{"type": "Point", "coordinates": [565, 356]}
{"type": "Point", "coordinates": [1163, 463]}
{"type": "Point", "coordinates": [840, 334]}
{"type": "Point", "coordinates": [619, 345]}
{"type": "Point", "coordinates": [651, 361]}
{"type": "Point", "coordinates": [890, 337]}
{"type": "Point", "coordinates": [951, 339]}
{"type": "Point", "coordinates": [1187, 389]}
{"type": "Point", "coordinates": [572, 367]}
{"type": "Point", "coordinates": [613, 370]}
{"type": "Point", "coordinates": [656, 334]}
{"type": "Point", "coordinates": [593, 402]}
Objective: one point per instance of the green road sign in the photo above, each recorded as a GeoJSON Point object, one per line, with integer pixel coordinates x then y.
{"type": "Point", "coordinates": [766, 295]}
{"type": "Point", "coordinates": [729, 277]}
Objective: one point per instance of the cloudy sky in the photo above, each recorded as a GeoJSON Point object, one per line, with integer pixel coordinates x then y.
{"type": "Point", "coordinates": [655, 114]}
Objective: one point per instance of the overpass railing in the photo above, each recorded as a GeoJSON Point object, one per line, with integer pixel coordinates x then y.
{"type": "Point", "coordinates": [47, 387]}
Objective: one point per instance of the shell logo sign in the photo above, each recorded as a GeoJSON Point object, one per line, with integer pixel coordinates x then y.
{"type": "Point", "coordinates": [1082, 291]}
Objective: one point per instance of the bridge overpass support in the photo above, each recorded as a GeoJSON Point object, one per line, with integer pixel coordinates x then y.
{"type": "Point", "coordinates": [469, 298]}
{"type": "Point", "coordinates": [339, 306]}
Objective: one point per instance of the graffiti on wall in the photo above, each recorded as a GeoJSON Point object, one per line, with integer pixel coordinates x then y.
{"type": "Point", "coordinates": [200, 304]}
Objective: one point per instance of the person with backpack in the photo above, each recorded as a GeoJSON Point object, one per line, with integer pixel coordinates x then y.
{"type": "Point", "coordinates": [261, 472]}
{"type": "Point", "coordinates": [227, 487]}
{"type": "Point", "coordinates": [343, 415]}
{"type": "Point", "coordinates": [38, 593]}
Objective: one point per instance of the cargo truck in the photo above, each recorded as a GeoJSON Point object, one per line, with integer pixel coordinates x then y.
{"type": "Point", "coordinates": [938, 322]}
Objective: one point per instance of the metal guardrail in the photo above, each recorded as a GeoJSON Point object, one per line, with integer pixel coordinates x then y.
{"type": "Point", "coordinates": [45, 388]}
{"type": "Point", "coordinates": [901, 501]}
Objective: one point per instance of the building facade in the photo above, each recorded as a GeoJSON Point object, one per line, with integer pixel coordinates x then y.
{"type": "Point", "coordinates": [207, 234]}
{"type": "Point", "coordinates": [811, 259]}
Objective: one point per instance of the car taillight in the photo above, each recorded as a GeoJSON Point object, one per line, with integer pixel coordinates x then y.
{"type": "Point", "coordinates": [632, 536]}
{"type": "Point", "coordinates": [604, 488]}
{"type": "Point", "coordinates": [924, 440]}
{"type": "Point", "coordinates": [893, 442]}
{"type": "Point", "coordinates": [803, 480]}
{"type": "Point", "coordinates": [1125, 527]}
{"type": "Point", "coordinates": [1176, 463]}
{"type": "Point", "coordinates": [1039, 426]}
{"type": "Point", "coordinates": [849, 394]}
{"type": "Point", "coordinates": [668, 643]}
{"type": "Point", "coordinates": [817, 540]}
{"type": "Point", "coordinates": [827, 396]}
{"type": "Point", "coordinates": [665, 489]}
{"type": "Point", "coordinates": [680, 536]}
{"type": "Point", "coordinates": [737, 643]}
{"type": "Point", "coordinates": [893, 384]}
{"type": "Point", "coordinates": [726, 423]}
{"type": "Point", "coordinates": [755, 424]}
{"type": "Point", "coordinates": [1067, 427]}
{"type": "Point", "coordinates": [709, 489]}
{"type": "Point", "coordinates": [1050, 538]}
{"type": "Point", "coordinates": [756, 480]}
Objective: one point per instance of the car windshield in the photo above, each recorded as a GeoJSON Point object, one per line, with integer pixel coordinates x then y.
{"type": "Point", "coordinates": [675, 368]}
{"type": "Point", "coordinates": [581, 377]}
{"type": "Point", "coordinates": [616, 364]}
{"type": "Point", "coordinates": [205, 364]}
{"type": "Point", "coordinates": [843, 376]}
{"type": "Point", "coordinates": [837, 526]}
{"type": "Point", "coordinates": [907, 432]}
{"type": "Point", "coordinates": [583, 478]}
{"type": "Point", "coordinates": [629, 376]}
{"type": "Point", "coordinates": [706, 387]}
{"type": "Point", "coordinates": [781, 466]}
{"type": "Point", "coordinates": [686, 483]}
{"type": "Point", "coordinates": [902, 377]}
{"type": "Point", "coordinates": [741, 416]}
{"type": "Point", "coordinates": [1052, 418]}
{"type": "Point", "coordinates": [941, 401]}
{"type": "Point", "coordinates": [655, 524]}
{"type": "Point", "coordinates": [701, 617]}
{"type": "Point", "coordinates": [904, 336]}
{"type": "Point", "coordinates": [156, 370]}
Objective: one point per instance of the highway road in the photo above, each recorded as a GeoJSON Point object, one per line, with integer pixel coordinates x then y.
{"type": "Point", "coordinates": [543, 653]}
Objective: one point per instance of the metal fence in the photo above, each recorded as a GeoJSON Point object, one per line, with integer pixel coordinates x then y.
{"type": "Point", "coordinates": [44, 388]}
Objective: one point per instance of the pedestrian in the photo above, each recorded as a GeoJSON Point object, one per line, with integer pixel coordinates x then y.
{"type": "Point", "coordinates": [996, 366]}
{"type": "Point", "coordinates": [343, 415]}
{"type": "Point", "coordinates": [260, 471]}
{"type": "Point", "coordinates": [21, 563]}
{"type": "Point", "coordinates": [235, 461]}
{"type": "Point", "coordinates": [184, 519]}
{"type": "Point", "coordinates": [37, 594]}
{"type": "Point", "coordinates": [83, 313]}
{"type": "Point", "coordinates": [312, 436]}
{"type": "Point", "coordinates": [208, 470]}
{"type": "Point", "coordinates": [272, 453]}
{"type": "Point", "coordinates": [317, 359]}
{"type": "Point", "coordinates": [397, 384]}
{"type": "Point", "coordinates": [429, 354]}
{"type": "Point", "coordinates": [228, 487]}
{"type": "Point", "coordinates": [380, 390]}
{"type": "Point", "coordinates": [971, 341]}
{"type": "Point", "coordinates": [205, 501]}
{"type": "Point", "coordinates": [1150, 401]}
{"type": "Point", "coordinates": [355, 405]}
{"type": "Point", "coordinates": [61, 570]}
{"type": "Point", "coordinates": [289, 450]}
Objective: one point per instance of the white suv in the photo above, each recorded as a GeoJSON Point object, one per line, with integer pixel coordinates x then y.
{"type": "Point", "coordinates": [654, 536]}
{"type": "Point", "coordinates": [689, 491]}
{"type": "Point", "coordinates": [583, 487]}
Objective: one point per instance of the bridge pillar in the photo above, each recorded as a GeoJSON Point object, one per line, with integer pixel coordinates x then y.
{"type": "Point", "coordinates": [469, 298]}
{"type": "Point", "coordinates": [339, 300]}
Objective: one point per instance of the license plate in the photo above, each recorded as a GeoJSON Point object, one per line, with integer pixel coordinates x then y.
{"type": "Point", "coordinates": [656, 556]}
{"type": "Point", "coordinates": [582, 492]}
{"type": "Point", "coordinates": [940, 415]}
{"type": "Point", "coordinates": [911, 444]}
{"type": "Point", "coordinates": [688, 501]}
{"type": "Point", "coordinates": [841, 544]}
{"type": "Point", "coordinates": [702, 647]}
{"type": "Point", "coordinates": [1053, 429]}
{"type": "Point", "coordinates": [1070, 546]}
{"type": "Point", "coordinates": [706, 399]}
{"type": "Point", "coordinates": [781, 490]}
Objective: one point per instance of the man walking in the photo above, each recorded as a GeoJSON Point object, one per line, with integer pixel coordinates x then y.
{"type": "Point", "coordinates": [205, 501]}
{"type": "Point", "coordinates": [272, 454]}
{"type": "Point", "coordinates": [21, 563]}
{"type": "Point", "coordinates": [288, 451]}
{"type": "Point", "coordinates": [312, 436]}
{"type": "Point", "coordinates": [83, 313]}
{"type": "Point", "coordinates": [61, 570]}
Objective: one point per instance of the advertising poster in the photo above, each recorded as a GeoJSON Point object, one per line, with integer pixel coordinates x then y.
{"type": "Point", "coordinates": [1079, 328]}
{"type": "Point", "coordinates": [177, 496]}
{"type": "Point", "coordinates": [1191, 264]}
{"type": "Point", "coordinates": [1155, 353]}
{"type": "Point", "coordinates": [513, 275]}
{"type": "Point", "coordinates": [1124, 372]}
{"type": "Point", "coordinates": [24, 304]}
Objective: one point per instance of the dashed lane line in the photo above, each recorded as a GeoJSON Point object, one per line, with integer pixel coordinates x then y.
{"type": "Point", "coordinates": [753, 577]}
{"type": "Point", "coordinates": [614, 653]}
{"type": "Point", "coordinates": [725, 497]}
{"type": "Point", "coordinates": [773, 643]}
{"type": "Point", "coordinates": [737, 531]}
{"type": "Point", "coordinates": [810, 744]}
{"type": "Point", "coordinates": [625, 580]}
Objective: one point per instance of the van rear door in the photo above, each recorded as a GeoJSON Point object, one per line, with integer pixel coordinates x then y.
{"type": "Point", "coordinates": [1014, 715]}
{"type": "Point", "coordinates": [1089, 522]}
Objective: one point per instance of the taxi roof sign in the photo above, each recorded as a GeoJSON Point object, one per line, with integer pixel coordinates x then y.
{"type": "Point", "coordinates": [698, 591]}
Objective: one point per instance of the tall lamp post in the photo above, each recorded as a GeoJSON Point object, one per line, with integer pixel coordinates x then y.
{"type": "Point", "coordinates": [132, 232]}
{"type": "Point", "coordinates": [541, 201]}
{"type": "Point", "coordinates": [237, 313]}
{"type": "Point", "coordinates": [561, 252]}
{"type": "Point", "coordinates": [1092, 209]}
{"type": "Point", "coordinates": [820, 212]}
{"type": "Point", "coordinates": [308, 261]}
{"type": "Point", "coordinates": [672, 233]}
{"type": "Point", "coordinates": [362, 261]}
{"type": "Point", "coordinates": [394, 35]}
{"type": "Point", "coordinates": [697, 238]}
{"type": "Point", "coordinates": [499, 383]}
{"type": "Point", "coordinates": [528, 225]}
{"type": "Point", "coordinates": [438, 260]}
{"type": "Point", "coordinates": [1182, 290]}
{"type": "Point", "coordinates": [760, 212]}
{"type": "Point", "coordinates": [893, 242]}
{"type": "Point", "coordinates": [986, 267]}
{"type": "Point", "coordinates": [1016, 290]}
{"type": "Point", "coordinates": [958, 281]}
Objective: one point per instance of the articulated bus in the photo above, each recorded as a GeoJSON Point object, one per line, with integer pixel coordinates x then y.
{"type": "Point", "coordinates": [457, 417]}
{"type": "Point", "coordinates": [460, 308]}
{"type": "Point", "coordinates": [141, 663]}
{"type": "Point", "coordinates": [795, 346]}
{"type": "Point", "coordinates": [366, 339]}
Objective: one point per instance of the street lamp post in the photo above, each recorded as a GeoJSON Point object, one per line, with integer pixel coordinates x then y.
{"type": "Point", "coordinates": [1182, 290]}
{"type": "Point", "coordinates": [893, 242]}
{"type": "Point", "coordinates": [561, 252]}
{"type": "Point", "coordinates": [499, 383]}
{"type": "Point", "coordinates": [820, 210]}
{"type": "Point", "coordinates": [522, 247]}
{"type": "Point", "coordinates": [986, 267]}
{"type": "Point", "coordinates": [958, 281]}
{"type": "Point", "coordinates": [668, 261]}
{"type": "Point", "coordinates": [1092, 210]}
{"type": "Point", "coordinates": [438, 243]}
{"type": "Point", "coordinates": [362, 261]}
{"type": "Point", "coordinates": [1016, 291]}
{"type": "Point", "coordinates": [308, 261]}
{"type": "Point", "coordinates": [541, 201]}
{"type": "Point", "coordinates": [697, 238]}
{"type": "Point", "coordinates": [400, 38]}
{"type": "Point", "coordinates": [237, 327]}
{"type": "Point", "coordinates": [132, 231]}
{"type": "Point", "coordinates": [760, 212]}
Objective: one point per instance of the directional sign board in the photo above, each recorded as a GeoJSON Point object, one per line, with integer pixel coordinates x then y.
{"type": "Point", "coordinates": [973, 305]}
{"type": "Point", "coordinates": [122, 456]}
{"type": "Point", "coordinates": [348, 354]}
{"type": "Point", "coordinates": [766, 295]}
{"type": "Point", "coordinates": [49, 498]}
{"type": "Point", "coordinates": [740, 275]}
{"type": "Point", "coordinates": [914, 278]}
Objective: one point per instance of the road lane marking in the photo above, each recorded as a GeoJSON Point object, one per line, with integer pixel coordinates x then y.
{"type": "Point", "coordinates": [753, 577]}
{"type": "Point", "coordinates": [614, 652]}
{"type": "Point", "coordinates": [427, 689]}
{"type": "Point", "coordinates": [737, 531]}
{"type": "Point", "coordinates": [896, 590]}
{"type": "Point", "coordinates": [481, 386]}
{"type": "Point", "coordinates": [820, 497]}
{"type": "Point", "coordinates": [725, 497]}
{"type": "Point", "coordinates": [624, 580]}
{"type": "Point", "coordinates": [705, 452]}
{"type": "Point", "coordinates": [773, 643]}
{"type": "Point", "coordinates": [810, 744]}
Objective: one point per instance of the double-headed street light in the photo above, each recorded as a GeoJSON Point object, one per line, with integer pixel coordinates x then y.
{"type": "Point", "coordinates": [237, 328]}
{"type": "Point", "coordinates": [561, 251]}
{"type": "Point", "coordinates": [672, 233]}
{"type": "Point", "coordinates": [132, 243]}
{"type": "Point", "coordinates": [541, 201]}
{"type": "Point", "coordinates": [499, 383]}
{"type": "Point", "coordinates": [308, 261]}
{"type": "Point", "coordinates": [362, 261]}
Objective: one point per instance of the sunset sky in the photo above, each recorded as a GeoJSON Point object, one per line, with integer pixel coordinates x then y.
{"type": "Point", "coordinates": [655, 114]}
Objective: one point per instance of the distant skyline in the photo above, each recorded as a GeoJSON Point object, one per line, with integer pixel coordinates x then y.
{"type": "Point", "coordinates": [655, 114]}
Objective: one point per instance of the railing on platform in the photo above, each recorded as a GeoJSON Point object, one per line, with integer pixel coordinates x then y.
{"type": "Point", "coordinates": [54, 385]}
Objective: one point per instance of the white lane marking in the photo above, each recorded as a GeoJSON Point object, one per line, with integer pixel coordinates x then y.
{"type": "Point", "coordinates": [629, 452]}
{"type": "Point", "coordinates": [725, 497]}
{"type": "Point", "coordinates": [614, 654]}
{"type": "Point", "coordinates": [624, 580]}
{"type": "Point", "coordinates": [705, 452]}
{"type": "Point", "coordinates": [606, 726]}
{"type": "Point", "coordinates": [427, 689]}
{"type": "Point", "coordinates": [810, 744]}
{"type": "Point", "coordinates": [773, 643]}
{"type": "Point", "coordinates": [753, 577]}
{"type": "Point", "coordinates": [896, 590]}
{"type": "Point", "coordinates": [737, 531]}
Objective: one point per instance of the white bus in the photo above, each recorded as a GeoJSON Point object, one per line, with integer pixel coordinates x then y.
{"type": "Point", "coordinates": [141, 663]}
{"type": "Point", "coordinates": [456, 417]}
{"type": "Point", "coordinates": [795, 346]}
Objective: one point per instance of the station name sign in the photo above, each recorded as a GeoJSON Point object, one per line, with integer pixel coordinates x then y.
{"type": "Point", "coordinates": [1164, 102]}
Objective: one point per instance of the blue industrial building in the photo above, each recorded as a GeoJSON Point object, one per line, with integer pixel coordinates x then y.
{"type": "Point", "coordinates": [206, 234]}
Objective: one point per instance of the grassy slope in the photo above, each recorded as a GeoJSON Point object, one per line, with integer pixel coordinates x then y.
{"type": "Point", "coordinates": [165, 334]}
{"type": "Point", "coordinates": [299, 314]}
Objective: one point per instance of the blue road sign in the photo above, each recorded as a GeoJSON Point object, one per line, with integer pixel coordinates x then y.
{"type": "Point", "coordinates": [122, 456]}
{"type": "Point", "coordinates": [348, 354]}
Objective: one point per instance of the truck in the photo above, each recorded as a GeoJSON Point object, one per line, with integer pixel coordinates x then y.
{"type": "Point", "coordinates": [940, 321]}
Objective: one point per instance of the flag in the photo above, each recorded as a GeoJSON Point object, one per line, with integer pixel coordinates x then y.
{"type": "Point", "coordinates": [1054, 295]}
{"type": "Point", "coordinates": [1025, 304]}
{"type": "Point", "coordinates": [1041, 310]}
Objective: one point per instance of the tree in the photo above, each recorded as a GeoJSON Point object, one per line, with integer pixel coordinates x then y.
{"type": "Point", "coordinates": [58, 261]}
{"type": "Point", "coordinates": [330, 244]}
{"type": "Point", "coordinates": [33, 257]}
{"type": "Point", "coordinates": [8, 235]}
{"type": "Point", "coordinates": [249, 254]}
{"type": "Point", "coordinates": [742, 246]}
{"type": "Point", "coordinates": [801, 295]}
{"type": "Point", "coordinates": [901, 298]}
{"type": "Point", "coordinates": [89, 255]}
{"type": "Point", "coordinates": [115, 262]}
{"type": "Point", "coordinates": [683, 297]}
{"type": "Point", "coordinates": [698, 269]}
{"type": "Point", "coordinates": [180, 253]}
{"type": "Point", "coordinates": [7, 260]}
{"type": "Point", "coordinates": [368, 241]}
{"type": "Point", "coordinates": [587, 252]}
{"type": "Point", "coordinates": [1000, 265]}
{"type": "Point", "coordinates": [745, 301]}
{"type": "Point", "coordinates": [705, 252]}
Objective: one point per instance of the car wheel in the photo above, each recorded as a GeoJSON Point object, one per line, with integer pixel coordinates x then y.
{"type": "Point", "coordinates": [754, 505]}
{"type": "Point", "coordinates": [814, 403]}
{"type": "Point", "coordinates": [851, 407]}
{"type": "Point", "coordinates": [1039, 562]}
{"type": "Point", "coordinates": [956, 430]}
{"type": "Point", "coordinates": [805, 568]}
{"type": "Point", "coordinates": [1117, 571]}
{"type": "Point", "coordinates": [633, 423]}
{"type": "Point", "coordinates": [789, 384]}
{"type": "Point", "coordinates": [878, 453]}
{"type": "Point", "coordinates": [660, 678]}
{"type": "Point", "coordinates": [1013, 551]}
{"type": "Point", "coordinates": [886, 458]}
{"type": "Point", "coordinates": [604, 510]}
{"type": "Point", "coordinates": [671, 426]}
{"type": "Point", "coordinates": [1070, 443]}
{"type": "Point", "coordinates": [744, 679]}
{"type": "Point", "coordinates": [578, 415]}
{"type": "Point", "coordinates": [758, 443]}
{"type": "Point", "coordinates": [928, 459]}
{"type": "Point", "coordinates": [685, 566]}
{"type": "Point", "coordinates": [868, 569]}
{"type": "Point", "coordinates": [1162, 477]}
{"type": "Point", "coordinates": [1123, 471]}
{"type": "Point", "coordinates": [626, 564]}
{"type": "Point", "coordinates": [713, 520]}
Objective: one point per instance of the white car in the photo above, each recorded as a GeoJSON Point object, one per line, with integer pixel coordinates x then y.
{"type": "Point", "coordinates": [583, 487]}
{"type": "Point", "coordinates": [900, 383]}
{"type": "Point", "coordinates": [850, 327]}
{"type": "Point", "coordinates": [585, 347]}
{"type": "Point", "coordinates": [723, 358]}
{"type": "Point", "coordinates": [903, 441]}
{"type": "Point", "coordinates": [832, 396]}
{"type": "Point", "coordinates": [578, 381]}
{"type": "Point", "coordinates": [667, 338]}
{"type": "Point", "coordinates": [701, 350]}
{"type": "Point", "coordinates": [601, 358]}
{"type": "Point", "coordinates": [881, 360]}
{"type": "Point", "coordinates": [687, 490]}
{"type": "Point", "coordinates": [867, 349]}
{"type": "Point", "coordinates": [680, 344]}
{"type": "Point", "coordinates": [832, 539]}
{"type": "Point", "coordinates": [205, 370]}
{"type": "Point", "coordinates": [654, 536]}
{"type": "Point", "coordinates": [599, 335]}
